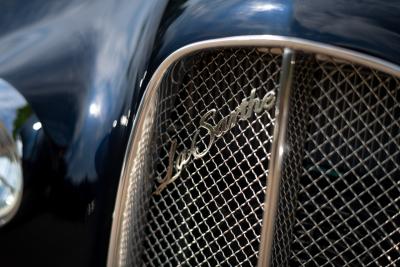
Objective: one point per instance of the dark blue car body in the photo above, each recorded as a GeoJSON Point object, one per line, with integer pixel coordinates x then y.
{"type": "Point", "coordinates": [82, 66]}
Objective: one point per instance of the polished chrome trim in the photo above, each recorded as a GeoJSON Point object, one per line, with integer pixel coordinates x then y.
{"type": "Point", "coordinates": [276, 161]}
{"type": "Point", "coordinates": [239, 41]}
{"type": "Point", "coordinates": [113, 249]}
{"type": "Point", "coordinates": [276, 41]}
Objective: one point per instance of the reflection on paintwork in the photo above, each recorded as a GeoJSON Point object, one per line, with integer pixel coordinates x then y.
{"type": "Point", "coordinates": [94, 109]}
{"type": "Point", "coordinates": [37, 126]}
{"type": "Point", "coordinates": [10, 102]}
{"type": "Point", "coordinates": [261, 7]}
{"type": "Point", "coordinates": [124, 120]}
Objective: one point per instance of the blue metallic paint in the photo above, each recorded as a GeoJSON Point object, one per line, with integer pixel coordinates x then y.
{"type": "Point", "coordinates": [81, 66]}
{"type": "Point", "coordinates": [371, 27]}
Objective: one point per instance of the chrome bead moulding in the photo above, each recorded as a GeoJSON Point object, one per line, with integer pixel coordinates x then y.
{"type": "Point", "coordinates": [276, 161]}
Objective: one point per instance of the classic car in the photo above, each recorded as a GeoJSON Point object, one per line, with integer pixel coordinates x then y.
{"type": "Point", "coordinates": [199, 133]}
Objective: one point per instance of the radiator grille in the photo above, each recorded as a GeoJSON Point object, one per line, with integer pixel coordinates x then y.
{"type": "Point", "coordinates": [212, 214]}
{"type": "Point", "coordinates": [349, 199]}
{"type": "Point", "coordinates": [339, 200]}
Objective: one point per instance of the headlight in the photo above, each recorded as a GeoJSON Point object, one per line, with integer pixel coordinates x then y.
{"type": "Point", "coordinates": [14, 112]}
{"type": "Point", "coordinates": [10, 175]}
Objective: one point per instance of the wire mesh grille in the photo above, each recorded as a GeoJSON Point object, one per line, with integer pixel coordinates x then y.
{"type": "Point", "coordinates": [339, 206]}
{"type": "Point", "coordinates": [212, 214]}
{"type": "Point", "coordinates": [349, 198]}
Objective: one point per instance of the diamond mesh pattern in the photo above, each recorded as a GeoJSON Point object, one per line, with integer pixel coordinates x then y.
{"type": "Point", "coordinates": [349, 199]}
{"type": "Point", "coordinates": [340, 207]}
{"type": "Point", "coordinates": [212, 214]}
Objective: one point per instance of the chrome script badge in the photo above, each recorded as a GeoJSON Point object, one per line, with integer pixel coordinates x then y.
{"type": "Point", "coordinates": [177, 161]}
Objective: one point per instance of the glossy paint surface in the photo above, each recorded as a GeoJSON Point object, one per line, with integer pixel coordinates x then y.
{"type": "Point", "coordinates": [83, 65]}
{"type": "Point", "coordinates": [370, 26]}
{"type": "Point", "coordinates": [79, 65]}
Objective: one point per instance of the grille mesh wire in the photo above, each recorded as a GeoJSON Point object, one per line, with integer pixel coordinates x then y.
{"type": "Point", "coordinates": [212, 214]}
{"type": "Point", "coordinates": [349, 199]}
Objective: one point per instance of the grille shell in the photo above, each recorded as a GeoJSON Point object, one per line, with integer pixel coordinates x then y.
{"type": "Point", "coordinates": [298, 43]}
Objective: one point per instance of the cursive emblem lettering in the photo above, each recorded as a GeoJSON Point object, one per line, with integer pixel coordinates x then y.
{"type": "Point", "coordinates": [247, 107]}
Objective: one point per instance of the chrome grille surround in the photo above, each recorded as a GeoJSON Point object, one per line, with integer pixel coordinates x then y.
{"type": "Point", "coordinates": [115, 252]}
